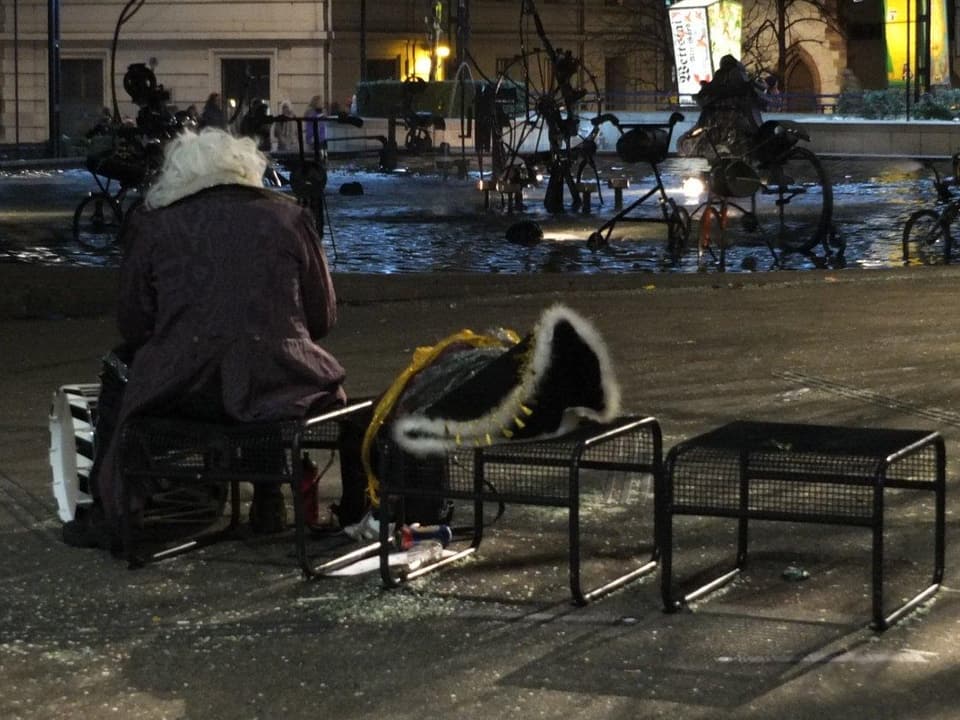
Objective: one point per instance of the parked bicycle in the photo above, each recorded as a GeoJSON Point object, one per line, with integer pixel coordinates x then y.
{"type": "Point", "coordinates": [120, 172]}
{"type": "Point", "coordinates": [123, 157]}
{"type": "Point", "coordinates": [780, 192]}
{"type": "Point", "coordinates": [926, 235]}
{"type": "Point", "coordinates": [758, 173]}
{"type": "Point", "coordinates": [648, 143]}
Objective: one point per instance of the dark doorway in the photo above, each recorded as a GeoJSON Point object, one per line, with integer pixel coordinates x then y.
{"type": "Point", "coordinates": [615, 71]}
{"type": "Point", "coordinates": [243, 80]}
{"type": "Point", "coordinates": [383, 69]}
{"type": "Point", "coordinates": [81, 95]}
{"type": "Point", "coordinates": [866, 44]}
{"type": "Point", "coordinates": [801, 90]}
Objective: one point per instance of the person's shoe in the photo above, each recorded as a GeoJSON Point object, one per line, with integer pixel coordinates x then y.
{"type": "Point", "coordinates": [367, 530]}
{"type": "Point", "coordinates": [78, 533]}
{"type": "Point", "coordinates": [89, 529]}
{"type": "Point", "coordinates": [268, 513]}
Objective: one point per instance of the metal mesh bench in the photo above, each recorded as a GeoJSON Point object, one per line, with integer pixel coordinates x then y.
{"type": "Point", "coordinates": [538, 472]}
{"type": "Point", "coordinates": [161, 452]}
{"type": "Point", "coordinates": [801, 473]}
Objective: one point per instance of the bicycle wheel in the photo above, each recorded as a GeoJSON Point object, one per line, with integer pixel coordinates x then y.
{"type": "Point", "coordinates": [793, 209]}
{"type": "Point", "coordinates": [96, 222]}
{"type": "Point", "coordinates": [925, 237]}
{"type": "Point", "coordinates": [538, 109]}
{"type": "Point", "coordinates": [714, 235]}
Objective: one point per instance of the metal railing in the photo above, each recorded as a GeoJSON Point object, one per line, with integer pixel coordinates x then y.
{"type": "Point", "coordinates": [656, 101]}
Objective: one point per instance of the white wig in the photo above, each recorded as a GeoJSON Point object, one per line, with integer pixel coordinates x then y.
{"type": "Point", "coordinates": [194, 161]}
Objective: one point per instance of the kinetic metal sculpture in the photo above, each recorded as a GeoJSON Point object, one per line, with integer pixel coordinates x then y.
{"type": "Point", "coordinates": [534, 114]}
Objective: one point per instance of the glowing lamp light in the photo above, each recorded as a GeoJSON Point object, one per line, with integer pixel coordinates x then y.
{"type": "Point", "coordinates": [443, 51]}
{"type": "Point", "coordinates": [421, 66]}
{"type": "Point", "coordinates": [693, 187]}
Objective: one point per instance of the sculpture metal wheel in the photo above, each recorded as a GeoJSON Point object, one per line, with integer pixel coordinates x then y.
{"type": "Point", "coordinates": [544, 102]}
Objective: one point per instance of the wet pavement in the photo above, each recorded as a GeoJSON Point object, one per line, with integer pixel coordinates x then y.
{"type": "Point", "coordinates": [415, 221]}
{"type": "Point", "coordinates": [233, 632]}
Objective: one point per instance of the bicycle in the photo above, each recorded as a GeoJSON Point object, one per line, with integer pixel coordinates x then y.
{"type": "Point", "coordinates": [119, 171]}
{"type": "Point", "coordinates": [790, 196]}
{"type": "Point", "coordinates": [648, 143]}
{"type": "Point", "coordinates": [97, 219]}
{"type": "Point", "coordinates": [928, 230]}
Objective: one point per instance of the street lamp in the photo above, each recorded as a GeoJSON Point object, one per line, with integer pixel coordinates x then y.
{"type": "Point", "coordinates": [53, 74]}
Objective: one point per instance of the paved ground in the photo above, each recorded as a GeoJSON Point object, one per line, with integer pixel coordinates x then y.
{"type": "Point", "coordinates": [233, 632]}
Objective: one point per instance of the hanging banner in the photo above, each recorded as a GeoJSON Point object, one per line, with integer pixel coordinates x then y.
{"type": "Point", "coordinates": [703, 32]}
{"type": "Point", "coordinates": [900, 32]}
{"type": "Point", "coordinates": [939, 44]}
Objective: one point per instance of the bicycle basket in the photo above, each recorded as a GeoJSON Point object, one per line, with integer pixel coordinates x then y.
{"type": "Point", "coordinates": [643, 145]}
{"type": "Point", "coordinates": [120, 160]}
{"type": "Point", "coordinates": [730, 177]}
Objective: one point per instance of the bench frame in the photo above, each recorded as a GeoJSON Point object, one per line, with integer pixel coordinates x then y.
{"type": "Point", "coordinates": [839, 460]}
{"type": "Point", "coordinates": [571, 452]}
{"type": "Point", "coordinates": [203, 452]}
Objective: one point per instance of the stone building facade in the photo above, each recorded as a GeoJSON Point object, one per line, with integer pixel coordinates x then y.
{"type": "Point", "coordinates": [295, 49]}
{"type": "Point", "coordinates": [273, 49]}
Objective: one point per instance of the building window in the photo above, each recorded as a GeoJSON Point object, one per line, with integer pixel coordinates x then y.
{"type": "Point", "coordinates": [81, 95]}
{"type": "Point", "coordinates": [383, 69]}
{"type": "Point", "coordinates": [243, 80]}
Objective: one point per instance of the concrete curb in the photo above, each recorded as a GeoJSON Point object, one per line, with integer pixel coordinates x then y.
{"type": "Point", "coordinates": [41, 164]}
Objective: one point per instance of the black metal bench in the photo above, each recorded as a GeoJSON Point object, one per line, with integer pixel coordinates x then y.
{"type": "Point", "coordinates": [801, 473]}
{"type": "Point", "coordinates": [164, 451]}
{"type": "Point", "coordinates": [535, 472]}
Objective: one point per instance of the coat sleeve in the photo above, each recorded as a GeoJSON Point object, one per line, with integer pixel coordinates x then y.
{"type": "Point", "coordinates": [137, 310]}
{"type": "Point", "coordinates": [316, 284]}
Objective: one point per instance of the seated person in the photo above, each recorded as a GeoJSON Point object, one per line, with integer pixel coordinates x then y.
{"type": "Point", "coordinates": [224, 292]}
{"type": "Point", "coordinates": [730, 114]}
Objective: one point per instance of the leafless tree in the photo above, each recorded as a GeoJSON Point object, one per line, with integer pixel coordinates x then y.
{"type": "Point", "coordinates": [775, 32]}
{"type": "Point", "coordinates": [638, 30]}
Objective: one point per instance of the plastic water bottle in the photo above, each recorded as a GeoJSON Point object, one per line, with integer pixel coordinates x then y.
{"type": "Point", "coordinates": [422, 553]}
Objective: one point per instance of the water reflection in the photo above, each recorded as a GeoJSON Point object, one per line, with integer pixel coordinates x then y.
{"type": "Point", "coordinates": [415, 222]}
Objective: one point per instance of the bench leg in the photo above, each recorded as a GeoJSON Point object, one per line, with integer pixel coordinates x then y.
{"type": "Point", "coordinates": [580, 596]}
{"type": "Point", "coordinates": [392, 579]}
{"type": "Point", "coordinates": [881, 622]}
{"type": "Point", "coordinates": [670, 602]}
{"type": "Point", "coordinates": [137, 560]}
